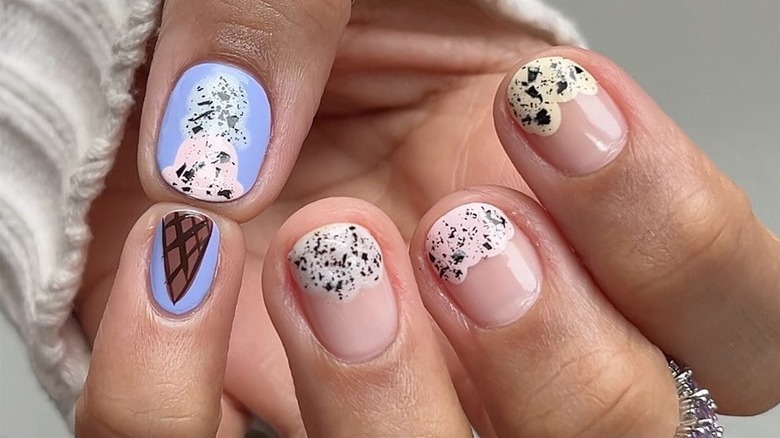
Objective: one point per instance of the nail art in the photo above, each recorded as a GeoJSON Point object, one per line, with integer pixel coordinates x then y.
{"type": "Point", "coordinates": [466, 235]}
{"type": "Point", "coordinates": [184, 260]}
{"type": "Point", "coordinates": [337, 260]}
{"type": "Point", "coordinates": [215, 133]}
{"type": "Point", "coordinates": [539, 86]}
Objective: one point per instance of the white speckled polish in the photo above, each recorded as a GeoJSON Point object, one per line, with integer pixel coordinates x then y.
{"type": "Point", "coordinates": [347, 297]}
{"type": "Point", "coordinates": [488, 266]}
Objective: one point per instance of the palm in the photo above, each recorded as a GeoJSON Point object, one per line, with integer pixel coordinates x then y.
{"type": "Point", "coordinates": [397, 132]}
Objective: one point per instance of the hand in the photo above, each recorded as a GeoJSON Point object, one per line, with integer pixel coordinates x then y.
{"type": "Point", "coordinates": [394, 101]}
{"type": "Point", "coordinates": [631, 223]}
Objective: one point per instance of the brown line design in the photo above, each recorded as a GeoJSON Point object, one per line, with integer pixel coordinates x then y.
{"type": "Point", "coordinates": [185, 236]}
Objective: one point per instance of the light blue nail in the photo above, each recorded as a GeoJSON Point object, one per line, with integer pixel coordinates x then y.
{"type": "Point", "coordinates": [214, 134]}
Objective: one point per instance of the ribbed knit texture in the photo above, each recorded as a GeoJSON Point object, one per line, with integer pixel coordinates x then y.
{"type": "Point", "coordinates": [66, 72]}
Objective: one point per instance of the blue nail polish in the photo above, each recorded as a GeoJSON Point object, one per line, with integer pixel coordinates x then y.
{"type": "Point", "coordinates": [185, 252]}
{"type": "Point", "coordinates": [215, 132]}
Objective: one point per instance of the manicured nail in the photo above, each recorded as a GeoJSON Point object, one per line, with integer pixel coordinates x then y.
{"type": "Point", "coordinates": [571, 122]}
{"type": "Point", "coordinates": [489, 267]}
{"type": "Point", "coordinates": [184, 261]}
{"type": "Point", "coordinates": [346, 294]}
{"type": "Point", "coordinates": [214, 133]}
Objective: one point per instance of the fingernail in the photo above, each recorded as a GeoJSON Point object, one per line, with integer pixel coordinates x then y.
{"type": "Point", "coordinates": [214, 133]}
{"type": "Point", "coordinates": [184, 261]}
{"type": "Point", "coordinates": [571, 122]}
{"type": "Point", "coordinates": [345, 291]}
{"type": "Point", "coordinates": [489, 267]}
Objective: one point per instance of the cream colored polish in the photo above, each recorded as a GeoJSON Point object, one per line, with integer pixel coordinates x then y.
{"type": "Point", "coordinates": [570, 121]}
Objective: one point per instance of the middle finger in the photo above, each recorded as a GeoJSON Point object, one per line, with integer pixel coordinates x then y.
{"type": "Point", "coordinates": [550, 356]}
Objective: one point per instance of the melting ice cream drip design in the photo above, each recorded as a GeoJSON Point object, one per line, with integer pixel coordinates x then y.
{"type": "Point", "coordinates": [206, 165]}
{"type": "Point", "coordinates": [465, 236]}
{"type": "Point", "coordinates": [537, 89]}
{"type": "Point", "coordinates": [337, 260]}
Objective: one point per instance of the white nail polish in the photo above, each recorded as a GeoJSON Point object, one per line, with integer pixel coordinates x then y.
{"type": "Point", "coordinates": [337, 260]}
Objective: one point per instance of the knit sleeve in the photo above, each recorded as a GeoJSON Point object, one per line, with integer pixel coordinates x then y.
{"type": "Point", "coordinates": [66, 69]}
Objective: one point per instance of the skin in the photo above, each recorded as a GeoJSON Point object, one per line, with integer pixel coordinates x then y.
{"type": "Point", "coordinates": [356, 115]}
{"type": "Point", "coordinates": [390, 112]}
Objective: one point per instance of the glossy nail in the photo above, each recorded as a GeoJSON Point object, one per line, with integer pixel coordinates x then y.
{"type": "Point", "coordinates": [570, 121]}
{"type": "Point", "coordinates": [345, 291]}
{"type": "Point", "coordinates": [214, 134]}
{"type": "Point", "coordinates": [488, 266]}
{"type": "Point", "coordinates": [184, 261]}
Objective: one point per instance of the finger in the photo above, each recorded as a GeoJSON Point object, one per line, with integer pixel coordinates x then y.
{"type": "Point", "coordinates": [550, 356]}
{"type": "Point", "coordinates": [159, 356]}
{"type": "Point", "coordinates": [341, 294]}
{"type": "Point", "coordinates": [232, 92]}
{"type": "Point", "coordinates": [668, 238]}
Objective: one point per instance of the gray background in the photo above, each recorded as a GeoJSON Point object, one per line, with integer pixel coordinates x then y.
{"type": "Point", "coordinates": [714, 66]}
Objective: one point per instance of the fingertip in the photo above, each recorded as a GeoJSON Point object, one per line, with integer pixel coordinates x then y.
{"type": "Point", "coordinates": [342, 296]}
{"type": "Point", "coordinates": [171, 309]}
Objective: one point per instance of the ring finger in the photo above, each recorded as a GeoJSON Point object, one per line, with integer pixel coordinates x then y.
{"type": "Point", "coordinates": [668, 238]}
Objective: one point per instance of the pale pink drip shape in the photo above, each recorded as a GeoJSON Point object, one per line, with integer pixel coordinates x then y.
{"type": "Point", "coordinates": [472, 232]}
{"type": "Point", "coordinates": [205, 168]}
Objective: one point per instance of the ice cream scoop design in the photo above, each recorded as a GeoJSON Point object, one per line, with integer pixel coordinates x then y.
{"type": "Point", "coordinates": [465, 236]}
{"type": "Point", "coordinates": [537, 89]}
{"type": "Point", "coordinates": [215, 133]}
{"type": "Point", "coordinates": [205, 168]}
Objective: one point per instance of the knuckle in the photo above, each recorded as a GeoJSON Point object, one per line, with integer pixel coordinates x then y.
{"type": "Point", "coordinates": [162, 412]}
{"type": "Point", "coordinates": [705, 225]}
{"type": "Point", "coordinates": [693, 237]}
{"type": "Point", "coordinates": [601, 394]}
{"type": "Point", "coordinates": [260, 19]}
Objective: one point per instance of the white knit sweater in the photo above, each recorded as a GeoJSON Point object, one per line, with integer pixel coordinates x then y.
{"type": "Point", "coordinates": [66, 69]}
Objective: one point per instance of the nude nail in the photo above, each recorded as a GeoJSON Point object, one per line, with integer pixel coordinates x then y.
{"type": "Point", "coordinates": [570, 121]}
{"type": "Point", "coordinates": [345, 291]}
{"type": "Point", "coordinates": [488, 266]}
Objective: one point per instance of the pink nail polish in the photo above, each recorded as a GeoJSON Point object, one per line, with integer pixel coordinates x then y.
{"type": "Point", "coordinates": [569, 120]}
{"type": "Point", "coordinates": [347, 297]}
{"type": "Point", "coordinates": [489, 267]}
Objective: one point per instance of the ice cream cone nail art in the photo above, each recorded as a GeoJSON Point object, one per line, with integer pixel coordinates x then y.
{"type": "Point", "coordinates": [184, 260]}
{"type": "Point", "coordinates": [214, 134]}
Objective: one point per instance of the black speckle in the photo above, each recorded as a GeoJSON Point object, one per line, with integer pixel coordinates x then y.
{"type": "Point", "coordinates": [542, 117]}
{"type": "Point", "coordinates": [532, 91]}
{"type": "Point", "coordinates": [533, 72]}
{"type": "Point", "coordinates": [458, 256]}
{"type": "Point", "coordinates": [180, 170]}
